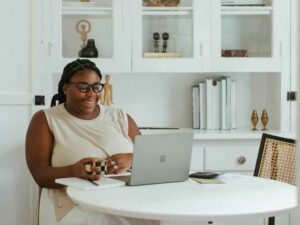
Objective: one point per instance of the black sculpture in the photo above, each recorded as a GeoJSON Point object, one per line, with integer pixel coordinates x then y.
{"type": "Point", "coordinates": [90, 50]}
{"type": "Point", "coordinates": [156, 37]}
{"type": "Point", "coordinates": [165, 37]}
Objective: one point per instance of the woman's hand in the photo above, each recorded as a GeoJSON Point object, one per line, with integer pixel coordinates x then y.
{"type": "Point", "coordinates": [119, 163]}
{"type": "Point", "coordinates": [79, 169]}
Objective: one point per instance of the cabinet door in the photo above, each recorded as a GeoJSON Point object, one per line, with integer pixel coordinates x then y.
{"type": "Point", "coordinates": [169, 38]}
{"type": "Point", "coordinates": [248, 38]}
{"type": "Point", "coordinates": [74, 23]}
{"type": "Point", "coordinates": [237, 158]}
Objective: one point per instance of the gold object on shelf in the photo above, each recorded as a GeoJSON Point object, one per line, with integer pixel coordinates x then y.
{"type": "Point", "coordinates": [254, 119]}
{"type": "Point", "coordinates": [161, 54]}
{"type": "Point", "coordinates": [162, 2]}
{"type": "Point", "coordinates": [83, 27]}
{"type": "Point", "coordinates": [264, 119]}
{"type": "Point", "coordinates": [84, 0]}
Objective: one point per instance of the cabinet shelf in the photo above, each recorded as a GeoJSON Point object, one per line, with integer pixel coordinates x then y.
{"type": "Point", "coordinates": [87, 4]}
{"type": "Point", "coordinates": [167, 10]}
{"type": "Point", "coordinates": [247, 10]}
{"type": "Point", "coordinates": [237, 134]}
{"type": "Point", "coordinates": [87, 8]}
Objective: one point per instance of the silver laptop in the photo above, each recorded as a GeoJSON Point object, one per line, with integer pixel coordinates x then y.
{"type": "Point", "coordinates": [161, 158]}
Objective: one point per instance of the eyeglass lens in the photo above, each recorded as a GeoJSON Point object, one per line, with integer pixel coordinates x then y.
{"type": "Point", "coordinates": [84, 88]}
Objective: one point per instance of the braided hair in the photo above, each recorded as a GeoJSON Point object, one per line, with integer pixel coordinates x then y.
{"type": "Point", "coordinates": [79, 65]}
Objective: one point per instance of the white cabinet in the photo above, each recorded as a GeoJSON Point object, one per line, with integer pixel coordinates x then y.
{"type": "Point", "coordinates": [73, 22]}
{"type": "Point", "coordinates": [198, 32]}
{"type": "Point", "coordinates": [188, 30]}
{"type": "Point", "coordinates": [257, 30]}
{"type": "Point", "coordinates": [238, 156]}
{"type": "Point", "coordinates": [123, 34]}
{"type": "Point", "coordinates": [197, 160]}
{"type": "Point", "coordinates": [234, 157]}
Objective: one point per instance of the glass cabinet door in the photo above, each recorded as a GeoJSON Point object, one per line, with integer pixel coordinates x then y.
{"type": "Point", "coordinates": [245, 36]}
{"type": "Point", "coordinates": [166, 35]}
{"type": "Point", "coordinates": [90, 29]}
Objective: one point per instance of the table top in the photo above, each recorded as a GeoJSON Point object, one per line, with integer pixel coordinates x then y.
{"type": "Point", "coordinates": [239, 196]}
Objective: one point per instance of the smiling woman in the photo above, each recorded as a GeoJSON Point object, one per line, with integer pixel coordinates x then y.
{"type": "Point", "coordinates": [74, 132]}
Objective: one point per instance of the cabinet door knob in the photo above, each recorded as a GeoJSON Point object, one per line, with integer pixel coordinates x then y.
{"type": "Point", "coordinates": [242, 160]}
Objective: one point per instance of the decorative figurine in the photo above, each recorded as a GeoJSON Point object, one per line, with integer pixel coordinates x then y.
{"type": "Point", "coordinates": [165, 37]}
{"type": "Point", "coordinates": [161, 3]}
{"type": "Point", "coordinates": [254, 119]}
{"type": "Point", "coordinates": [83, 27]}
{"type": "Point", "coordinates": [106, 94]}
{"type": "Point", "coordinates": [264, 119]}
{"type": "Point", "coordinates": [90, 50]}
{"type": "Point", "coordinates": [156, 37]}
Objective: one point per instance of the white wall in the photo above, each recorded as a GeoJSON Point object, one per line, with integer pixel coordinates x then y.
{"type": "Point", "coordinates": [15, 111]}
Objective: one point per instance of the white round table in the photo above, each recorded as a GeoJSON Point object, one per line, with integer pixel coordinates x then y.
{"type": "Point", "coordinates": [239, 196]}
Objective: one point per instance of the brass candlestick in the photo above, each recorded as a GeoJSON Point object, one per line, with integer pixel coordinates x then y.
{"type": "Point", "coordinates": [264, 119]}
{"type": "Point", "coordinates": [254, 119]}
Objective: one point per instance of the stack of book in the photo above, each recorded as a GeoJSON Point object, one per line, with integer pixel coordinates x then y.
{"type": "Point", "coordinates": [214, 104]}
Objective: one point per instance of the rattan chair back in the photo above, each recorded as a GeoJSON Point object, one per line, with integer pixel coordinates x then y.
{"type": "Point", "coordinates": [276, 159]}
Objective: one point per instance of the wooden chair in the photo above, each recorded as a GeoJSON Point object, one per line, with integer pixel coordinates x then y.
{"type": "Point", "coordinates": [276, 160]}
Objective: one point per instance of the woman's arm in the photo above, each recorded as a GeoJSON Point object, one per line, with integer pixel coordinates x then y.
{"type": "Point", "coordinates": [39, 148]}
{"type": "Point", "coordinates": [123, 161]}
{"type": "Point", "coordinates": [133, 129]}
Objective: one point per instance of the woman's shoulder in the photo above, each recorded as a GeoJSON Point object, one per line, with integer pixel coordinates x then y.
{"type": "Point", "coordinates": [38, 118]}
{"type": "Point", "coordinates": [39, 115]}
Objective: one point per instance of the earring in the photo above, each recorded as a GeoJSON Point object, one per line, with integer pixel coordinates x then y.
{"type": "Point", "coordinates": [65, 92]}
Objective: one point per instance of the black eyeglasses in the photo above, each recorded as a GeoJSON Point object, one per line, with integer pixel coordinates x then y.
{"type": "Point", "coordinates": [84, 87]}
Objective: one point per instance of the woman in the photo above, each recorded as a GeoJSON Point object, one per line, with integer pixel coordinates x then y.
{"type": "Point", "coordinates": [61, 139]}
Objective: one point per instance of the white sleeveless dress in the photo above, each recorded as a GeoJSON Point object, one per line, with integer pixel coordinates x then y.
{"type": "Point", "coordinates": [74, 139]}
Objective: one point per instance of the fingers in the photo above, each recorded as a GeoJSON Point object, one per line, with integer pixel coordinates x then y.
{"type": "Point", "coordinates": [93, 176]}
{"type": "Point", "coordinates": [93, 168]}
{"type": "Point", "coordinates": [119, 163]}
{"type": "Point", "coordinates": [112, 168]}
{"type": "Point", "coordinates": [112, 164]}
{"type": "Point", "coordinates": [120, 170]}
{"type": "Point", "coordinates": [115, 167]}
